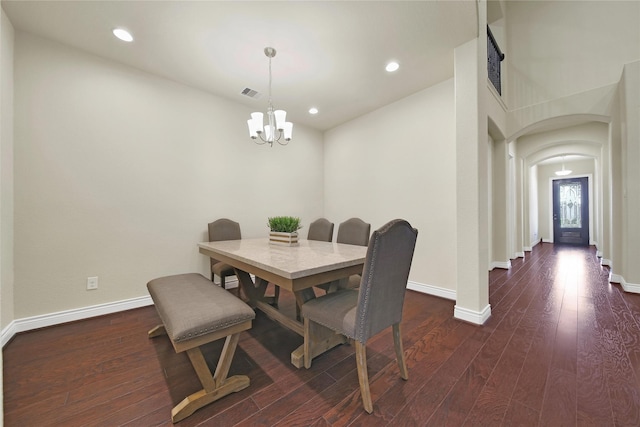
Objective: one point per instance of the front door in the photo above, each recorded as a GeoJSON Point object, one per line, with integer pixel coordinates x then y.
{"type": "Point", "coordinates": [571, 211]}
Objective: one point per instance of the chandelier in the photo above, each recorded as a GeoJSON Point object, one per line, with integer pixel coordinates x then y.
{"type": "Point", "coordinates": [563, 172]}
{"type": "Point", "coordinates": [277, 129]}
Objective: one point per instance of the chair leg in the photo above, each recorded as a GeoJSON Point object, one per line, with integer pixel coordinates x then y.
{"type": "Point", "coordinates": [363, 377]}
{"type": "Point", "coordinates": [239, 289]}
{"type": "Point", "coordinates": [307, 343]}
{"type": "Point", "coordinates": [276, 295]}
{"type": "Point", "coordinates": [397, 341]}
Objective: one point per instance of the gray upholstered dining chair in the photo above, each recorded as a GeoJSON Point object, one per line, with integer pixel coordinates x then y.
{"type": "Point", "coordinates": [353, 231]}
{"type": "Point", "coordinates": [321, 229]}
{"type": "Point", "coordinates": [376, 305]}
{"type": "Point", "coordinates": [223, 229]}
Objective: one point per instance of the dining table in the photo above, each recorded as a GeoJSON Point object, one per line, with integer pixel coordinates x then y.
{"type": "Point", "coordinates": [297, 269]}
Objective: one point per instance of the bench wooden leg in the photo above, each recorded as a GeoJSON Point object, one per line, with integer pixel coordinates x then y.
{"type": "Point", "coordinates": [157, 331]}
{"type": "Point", "coordinates": [216, 386]}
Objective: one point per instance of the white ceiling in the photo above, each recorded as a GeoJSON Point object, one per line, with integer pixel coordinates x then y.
{"type": "Point", "coordinates": [566, 159]}
{"type": "Point", "coordinates": [330, 54]}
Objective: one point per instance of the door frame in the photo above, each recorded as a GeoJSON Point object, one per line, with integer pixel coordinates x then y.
{"type": "Point", "coordinates": [591, 204]}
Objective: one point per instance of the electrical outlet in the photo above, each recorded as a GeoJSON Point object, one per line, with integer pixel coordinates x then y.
{"type": "Point", "coordinates": [92, 283]}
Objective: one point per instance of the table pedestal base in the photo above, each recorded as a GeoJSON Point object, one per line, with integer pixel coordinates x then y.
{"type": "Point", "coordinates": [323, 339]}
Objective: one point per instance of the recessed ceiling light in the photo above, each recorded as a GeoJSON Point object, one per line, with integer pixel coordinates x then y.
{"type": "Point", "coordinates": [123, 35]}
{"type": "Point", "coordinates": [313, 110]}
{"type": "Point", "coordinates": [392, 66]}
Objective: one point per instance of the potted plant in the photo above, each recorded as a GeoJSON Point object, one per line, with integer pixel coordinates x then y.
{"type": "Point", "coordinates": [283, 230]}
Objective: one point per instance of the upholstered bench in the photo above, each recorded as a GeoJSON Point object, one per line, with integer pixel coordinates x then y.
{"type": "Point", "coordinates": [195, 312]}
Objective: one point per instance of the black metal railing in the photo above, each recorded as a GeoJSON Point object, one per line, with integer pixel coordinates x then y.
{"type": "Point", "coordinates": [494, 57]}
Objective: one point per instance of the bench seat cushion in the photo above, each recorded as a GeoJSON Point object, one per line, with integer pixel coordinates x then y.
{"type": "Point", "coordinates": [190, 305]}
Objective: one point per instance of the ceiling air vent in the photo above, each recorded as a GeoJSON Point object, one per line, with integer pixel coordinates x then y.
{"type": "Point", "coordinates": [251, 93]}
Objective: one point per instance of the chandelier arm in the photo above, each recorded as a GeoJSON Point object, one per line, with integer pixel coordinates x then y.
{"type": "Point", "coordinates": [260, 138]}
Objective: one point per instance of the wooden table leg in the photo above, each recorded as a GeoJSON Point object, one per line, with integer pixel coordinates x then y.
{"type": "Point", "coordinates": [318, 339]}
{"type": "Point", "coordinates": [255, 292]}
{"type": "Point", "coordinates": [324, 339]}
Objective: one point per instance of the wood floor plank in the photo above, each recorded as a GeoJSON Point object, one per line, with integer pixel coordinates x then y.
{"type": "Point", "coordinates": [288, 402]}
{"type": "Point", "coordinates": [629, 328]}
{"type": "Point", "coordinates": [594, 404]}
{"type": "Point", "coordinates": [623, 384]}
{"type": "Point", "coordinates": [424, 359]}
{"type": "Point", "coordinates": [456, 406]}
{"type": "Point", "coordinates": [519, 415]}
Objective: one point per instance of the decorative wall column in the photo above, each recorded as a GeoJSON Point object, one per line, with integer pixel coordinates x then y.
{"type": "Point", "coordinates": [470, 79]}
{"type": "Point", "coordinates": [631, 177]}
{"type": "Point", "coordinates": [500, 211]}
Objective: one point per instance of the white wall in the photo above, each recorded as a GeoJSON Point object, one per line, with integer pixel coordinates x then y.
{"type": "Point", "coordinates": [490, 197]}
{"type": "Point", "coordinates": [499, 206]}
{"type": "Point", "coordinates": [6, 172]}
{"type": "Point", "coordinates": [534, 233]}
{"type": "Point", "coordinates": [6, 181]}
{"type": "Point", "coordinates": [118, 172]}
{"type": "Point", "coordinates": [399, 162]}
{"type": "Point", "coordinates": [560, 48]}
{"type": "Point", "coordinates": [630, 159]}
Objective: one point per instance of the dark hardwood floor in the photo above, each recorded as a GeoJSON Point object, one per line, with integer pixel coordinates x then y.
{"type": "Point", "coordinates": [562, 348]}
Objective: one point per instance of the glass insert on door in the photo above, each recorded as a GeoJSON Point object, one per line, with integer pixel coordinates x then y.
{"type": "Point", "coordinates": [570, 205]}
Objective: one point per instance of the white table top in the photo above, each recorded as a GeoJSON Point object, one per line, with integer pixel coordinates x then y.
{"type": "Point", "coordinates": [308, 258]}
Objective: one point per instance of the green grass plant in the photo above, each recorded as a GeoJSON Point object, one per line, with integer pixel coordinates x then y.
{"type": "Point", "coordinates": [284, 224]}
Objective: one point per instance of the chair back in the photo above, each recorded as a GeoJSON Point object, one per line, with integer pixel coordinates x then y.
{"type": "Point", "coordinates": [384, 278]}
{"type": "Point", "coordinates": [321, 229]}
{"type": "Point", "coordinates": [354, 231]}
{"type": "Point", "coordinates": [223, 229]}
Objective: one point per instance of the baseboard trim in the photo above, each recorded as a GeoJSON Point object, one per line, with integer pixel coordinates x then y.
{"type": "Point", "coordinates": [506, 265]}
{"type": "Point", "coordinates": [471, 316]}
{"type": "Point", "coordinates": [519, 254]}
{"type": "Point", "coordinates": [42, 321]}
{"type": "Point", "coordinates": [630, 287]}
{"type": "Point", "coordinates": [547, 241]}
{"type": "Point", "coordinates": [605, 262]}
{"type": "Point", "coordinates": [527, 248]}
{"type": "Point", "coordinates": [230, 283]}
{"type": "Point", "coordinates": [432, 290]}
